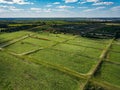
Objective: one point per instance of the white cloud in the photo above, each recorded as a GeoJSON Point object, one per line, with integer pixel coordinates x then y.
{"type": "Point", "coordinates": [82, 7]}
{"type": "Point", "coordinates": [82, 2]}
{"type": "Point", "coordinates": [96, 2]}
{"type": "Point", "coordinates": [94, 9]}
{"type": "Point", "coordinates": [15, 9]}
{"type": "Point", "coordinates": [47, 10]}
{"type": "Point", "coordinates": [41, 10]}
{"type": "Point", "coordinates": [9, 8]}
{"type": "Point", "coordinates": [92, 0]}
{"type": "Point", "coordinates": [60, 10]}
{"type": "Point", "coordinates": [36, 9]}
{"type": "Point", "coordinates": [98, 8]}
{"type": "Point", "coordinates": [65, 7]}
{"type": "Point", "coordinates": [103, 3]}
{"type": "Point", "coordinates": [86, 1]}
{"type": "Point", "coordinates": [70, 1]}
{"type": "Point", "coordinates": [48, 5]}
{"type": "Point", "coordinates": [21, 2]}
{"type": "Point", "coordinates": [3, 6]}
{"type": "Point", "coordinates": [56, 3]}
{"type": "Point", "coordinates": [116, 8]}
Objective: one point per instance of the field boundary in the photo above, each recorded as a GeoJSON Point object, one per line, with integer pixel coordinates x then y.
{"type": "Point", "coordinates": [101, 59]}
{"type": "Point", "coordinates": [30, 52]}
{"type": "Point", "coordinates": [14, 41]}
{"type": "Point", "coordinates": [105, 84]}
{"type": "Point", "coordinates": [86, 56]}
{"type": "Point", "coordinates": [112, 62]}
{"type": "Point", "coordinates": [84, 46]}
{"type": "Point", "coordinates": [53, 66]}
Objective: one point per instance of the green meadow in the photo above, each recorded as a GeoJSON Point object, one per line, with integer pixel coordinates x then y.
{"type": "Point", "coordinates": [49, 61]}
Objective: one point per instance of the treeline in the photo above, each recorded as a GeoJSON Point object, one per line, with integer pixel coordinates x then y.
{"type": "Point", "coordinates": [18, 28]}
{"type": "Point", "coordinates": [78, 29]}
{"type": "Point", "coordinates": [90, 30]}
{"type": "Point", "coordinates": [105, 32]}
{"type": "Point", "coordinates": [3, 25]}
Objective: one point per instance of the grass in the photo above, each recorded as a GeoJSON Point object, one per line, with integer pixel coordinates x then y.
{"type": "Point", "coordinates": [21, 47]}
{"type": "Point", "coordinates": [100, 44]}
{"type": "Point", "coordinates": [109, 73]}
{"type": "Point", "coordinates": [59, 65]}
{"type": "Point", "coordinates": [117, 42]}
{"type": "Point", "coordinates": [65, 36]}
{"type": "Point", "coordinates": [53, 37]}
{"type": "Point", "coordinates": [94, 86]}
{"type": "Point", "coordinates": [70, 60]}
{"type": "Point", "coordinates": [5, 37]}
{"type": "Point", "coordinates": [114, 57]}
{"type": "Point", "coordinates": [95, 53]}
{"type": "Point", "coordinates": [15, 25]}
{"type": "Point", "coordinates": [16, 74]}
{"type": "Point", "coordinates": [116, 48]}
{"type": "Point", "coordinates": [39, 42]}
{"type": "Point", "coordinates": [114, 53]}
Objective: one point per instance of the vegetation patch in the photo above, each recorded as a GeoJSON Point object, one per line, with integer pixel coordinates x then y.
{"type": "Point", "coordinates": [109, 73]}
{"type": "Point", "coordinates": [21, 47]}
{"type": "Point", "coordinates": [53, 37]}
{"type": "Point", "coordinates": [80, 50]}
{"type": "Point", "coordinates": [22, 75]}
{"type": "Point", "coordinates": [114, 57]}
{"type": "Point", "coordinates": [5, 37]}
{"type": "Point", "coordinates": [70, 60]}
{"type": "Point", "coordinates": [39, 42]}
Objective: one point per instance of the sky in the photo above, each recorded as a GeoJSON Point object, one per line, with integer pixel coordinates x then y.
{"type": "Point", "coordinates": [59, 8]}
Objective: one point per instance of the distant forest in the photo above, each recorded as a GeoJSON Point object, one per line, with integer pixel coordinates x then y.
{"type": "Point", "coordinates": [85, 28]}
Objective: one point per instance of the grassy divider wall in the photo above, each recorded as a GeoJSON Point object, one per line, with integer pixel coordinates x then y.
{"type": "Point", "coordinates": [105, 85]}
{"type": "Point", "coordinates": [30, 52]}
{"type": "Point", "coordinates": [53, 66]}
{"type": "Point", "coordinates": [97, 66]}
{"type": "Point", "coordinates": [14, 41]}
{"type": "Point", "coordinates": [83, 55]}
{"type": "Point", "coordinates": [40, 38]}
{"type": "Point", "coordinates": [84, 46]}
{"type": "Point", "coordinates": [116, 63]}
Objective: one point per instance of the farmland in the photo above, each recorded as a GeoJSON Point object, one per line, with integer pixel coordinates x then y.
{"type": "Point", "coordinates": [44, 57]}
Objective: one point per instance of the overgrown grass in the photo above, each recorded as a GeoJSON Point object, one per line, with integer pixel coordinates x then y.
{"type": "Point", "coordinates": [80, 50]}
{"type": "Point", "coordinates": [53, 37]}
{"type": "Point", "coordinates": [100, 44]}
{"type": "Point", "coordinates": [109, 73]}
{"type": "Point", "coordinates": [16, 74]}
{"type": "Point", "coordinates": [60, 51]}
{"type": "Point", "coordinates": [39, 42]}
{"type": "Point", "coordinates": [116, 48]}
{"type": "Point", "coordinates": [15, 25]}
{"type": "Point", "coordinates": [21, 47]}
{"type": "Point", "coordinates": [117, 42]}
{"type": "Point", "coordinates": [13, 35]}
{"type": "Point", "coordinates": [113, 56]}
{"type": "Point", "coordinates": [70, 60]}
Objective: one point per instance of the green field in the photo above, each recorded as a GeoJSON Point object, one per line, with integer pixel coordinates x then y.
{"type": "Point", "coordinates": [17, 74]}
{"type": "Point", "coordinates": [109, 73]}
{"type": "Point", "coordinates": [5, 37]}
{"type": "Point", "coordinates": [64, 59]}
{"type": "Point", "coordinates": [47, 61]}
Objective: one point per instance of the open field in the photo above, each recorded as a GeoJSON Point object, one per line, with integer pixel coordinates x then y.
{"type": "Point", "coordinates": [58, 61]}
{"type": "Point", "coordinates": [17, 74]}
{"type": "Point", "coordinates": [5, 37]}
{"type": "Point", "coordinates": [109, 73]}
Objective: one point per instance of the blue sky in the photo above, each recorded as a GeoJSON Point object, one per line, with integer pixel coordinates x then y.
{"type": "Point", "coordinates": [59, 8]}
